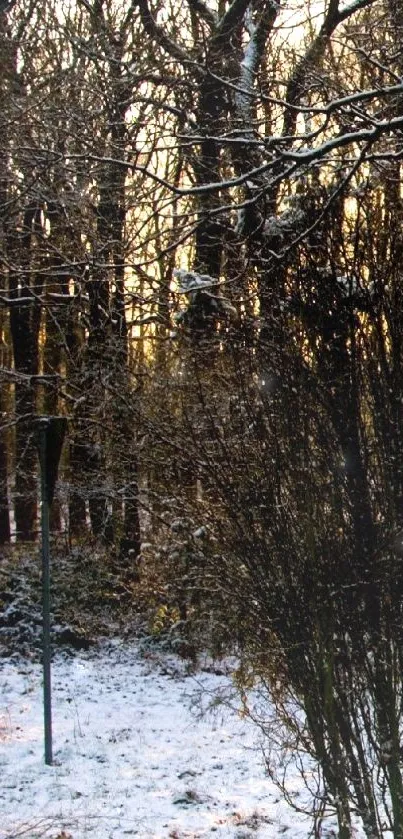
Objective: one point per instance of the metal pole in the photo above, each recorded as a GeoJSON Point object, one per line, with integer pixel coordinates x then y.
{"type": "Point", "coordinates": [47, 691]}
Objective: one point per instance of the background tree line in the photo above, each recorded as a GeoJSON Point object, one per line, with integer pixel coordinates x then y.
{"type": "Point", "coordinates": [200, 255]}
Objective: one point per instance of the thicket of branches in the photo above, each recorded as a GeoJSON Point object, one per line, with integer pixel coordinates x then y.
{"type": "Point", "coordinates": [200, 254]}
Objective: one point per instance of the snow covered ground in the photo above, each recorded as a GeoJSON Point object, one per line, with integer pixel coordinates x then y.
{"type": "Point", "coordinates": [133, 756]}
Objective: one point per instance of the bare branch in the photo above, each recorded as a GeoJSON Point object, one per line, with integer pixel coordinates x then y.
{"type": "Point", "coordinates": [208, 16]}
{"type": "Point", "coordinates": [230, 20]}
{"type": "Point", "coordinates": [313, 55]}
{"type": "Point", "coordinates": [157, 33]}
{"type": "Point", "coordinates": [6, 5]}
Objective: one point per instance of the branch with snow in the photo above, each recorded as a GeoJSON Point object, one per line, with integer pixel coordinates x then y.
{"type": "Point", "coordinates": [366, 135]}
{"type": "Point", "coordinates": [191, 281]}
{"type": "Point", "coordinates": [205, 300]}
{"type": "Point", "coordinates": [249, 65]}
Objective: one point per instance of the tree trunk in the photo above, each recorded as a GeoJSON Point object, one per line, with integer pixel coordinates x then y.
{"type": "Point", "coordinates": [5, 531]}
{"type": "Point", "coordinates": [25, 323]}
{"type": "Point", "coordinates": [7, 73]}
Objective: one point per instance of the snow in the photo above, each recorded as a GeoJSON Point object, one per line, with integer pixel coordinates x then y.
{"type": "Point", "coordinates": [190, 281]}
{"type": "Point", "coordinates": [133, 754]}
{"type": "Point", "coordinates": [247, 75]}
{"type": "Point", "coordinates": [349, 285]}
{"type": "Point", "coordinates": [284, 224]}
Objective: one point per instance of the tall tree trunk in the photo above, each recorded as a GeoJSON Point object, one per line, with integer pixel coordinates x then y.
{"type": "Point", "coordinates": [4, 506]}
{"type": "Point", "coordinates": [75, 343]}
{"type": "Point", "coordinates": [124, 435]}
{"type": "Point", "coordinates": [55, 323]}
{"type": "Point", "coordinates": [5, 530]}
{"type": "Point", "coordinates": [25, 319]}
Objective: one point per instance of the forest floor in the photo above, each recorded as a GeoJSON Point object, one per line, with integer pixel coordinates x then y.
{"type": "Point", "coordinates": [142, 747]}
{"type": "Point", "coordinates": [146, 743]}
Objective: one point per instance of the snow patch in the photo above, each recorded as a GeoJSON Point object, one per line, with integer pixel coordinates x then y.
{"type": "Point", "coordinates": [134, 756]}
{"type": "Point", "coordinates": [190, 281]}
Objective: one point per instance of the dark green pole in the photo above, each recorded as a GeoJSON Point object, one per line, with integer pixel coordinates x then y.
{"type": "Point", "coordinates": [50, 436]}
{"type": "Point", "coordinates": [47, 684]}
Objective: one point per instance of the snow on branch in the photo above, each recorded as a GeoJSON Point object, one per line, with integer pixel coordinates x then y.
{"type": "Point", "coordinates": [250, 63]}
{"type": "Point", "coordinates": [353, 99]}
{"type": "Point", "coordinates": [206, 304]}
{"type": "Point", "coordinates": [351, 8]}
{"type": "Point", "coordinates": [365, 135]}
{"type": "Point", "coordinates": [247, 73]}
{"type": "Point", "coordinates": [301, 157]}
{"type": "Point", "coordinates": [325, 110]}
{"type": "Point", "coordinates": [190, 281]}
{"type": "Point", "coordinates": [284, 225]}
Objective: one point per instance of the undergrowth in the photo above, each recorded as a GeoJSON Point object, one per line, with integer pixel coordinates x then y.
{"type": "Point", "coordinates": [92, 596]}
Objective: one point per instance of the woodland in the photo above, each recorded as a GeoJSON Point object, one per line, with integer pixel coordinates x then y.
{"type": "Point", "coordinates": [201, 250]}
